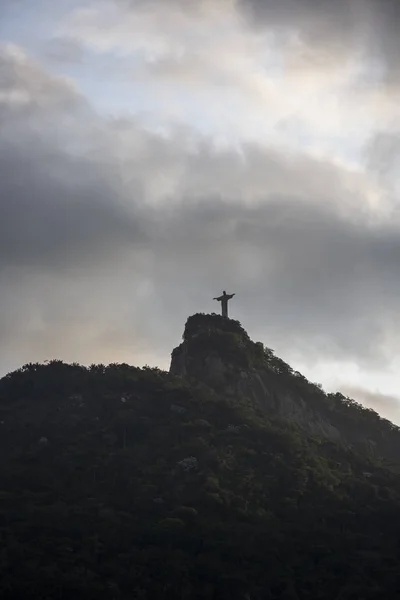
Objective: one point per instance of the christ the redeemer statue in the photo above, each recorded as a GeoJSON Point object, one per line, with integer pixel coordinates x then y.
{"type": "Point", "coordinates": [224, 302]}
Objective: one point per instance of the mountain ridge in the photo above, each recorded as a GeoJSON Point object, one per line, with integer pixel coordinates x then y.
{"type": "Point", "coordinates": [219, 352]}
{"type": "Point", "coordinates": [118, 482]}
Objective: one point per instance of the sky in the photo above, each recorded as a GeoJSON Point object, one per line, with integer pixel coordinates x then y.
{"type": "Point", "coordinates": [156, 152]}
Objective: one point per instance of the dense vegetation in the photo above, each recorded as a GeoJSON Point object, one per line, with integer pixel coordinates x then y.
{"type": "Point", "coordinates": [124, 483]}
{"type": "Point", "coordinates": [207, 334]}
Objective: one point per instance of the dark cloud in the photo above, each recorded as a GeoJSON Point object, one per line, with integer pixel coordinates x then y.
{"type": "Point", "coordinates": [316, 20]}
{"type": "Point", "coordinates": [369, 27]}
{"type": "Point", "coordinates": [300, 270]}
{"type": "Point", "coordinates": [110, 236]}
{"type": "Point", "coordinates": [54, 215]}
{"type": "Point", "coordinates": [57, 205]}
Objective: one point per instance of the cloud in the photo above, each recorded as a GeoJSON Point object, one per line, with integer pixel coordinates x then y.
{"type": "Point", "coordinates": [383, 155]}
{"type": "Point", "coordinates": [384, 404]}
{"type": "Point", "coordinates": [55, 200]}
{"type": "Point", "coordinates": [25, 86]}
{"type": "Point", "coordinates": [64, 50]}
{"type": "Point", "coordinates": [335, 28]}
{"type": "Point", "coordinates": [64, 218]}
{"type": "Point", "coordinates": [304, 74]}
{"type": "Point", "coordinates": [111, 235]}
{"type": "Point", "coordinates": [301, 33]}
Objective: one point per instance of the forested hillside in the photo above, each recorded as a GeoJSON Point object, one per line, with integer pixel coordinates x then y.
{"type": "Point", "coordinates": [219, 352]}
{"type": "Point", "coordinates": [122, 483]}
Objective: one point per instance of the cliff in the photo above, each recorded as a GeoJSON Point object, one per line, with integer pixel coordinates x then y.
{"type": "Point", "coordinates": [218, 352]}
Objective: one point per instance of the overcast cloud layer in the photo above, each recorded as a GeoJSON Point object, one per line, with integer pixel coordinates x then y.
{"type": "Point", "coordinates": [154, 153]}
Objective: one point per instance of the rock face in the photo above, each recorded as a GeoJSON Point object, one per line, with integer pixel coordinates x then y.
{"type": "Point", "coordinates": [219, 353]}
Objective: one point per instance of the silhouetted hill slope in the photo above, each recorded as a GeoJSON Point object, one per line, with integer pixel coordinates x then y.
{"type": "Point", "coordinates": [121, 483]}
{"type": "Point", "coordinates": [219, 352]}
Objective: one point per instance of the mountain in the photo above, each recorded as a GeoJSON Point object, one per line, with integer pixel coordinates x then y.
{"type": "Point", "coordinates": [219, 352]}
{"type": "Point", "coordinates": [230, 477]}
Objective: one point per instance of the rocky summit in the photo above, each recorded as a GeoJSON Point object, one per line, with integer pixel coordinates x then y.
{"type": "Point", "coordinates": [229, 477]}
{"type": "Point", "coordinates": [219, 353]}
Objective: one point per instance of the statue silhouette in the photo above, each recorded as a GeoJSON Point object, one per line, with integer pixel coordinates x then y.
{"type": "Point", "coordinates": [224, 302]}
